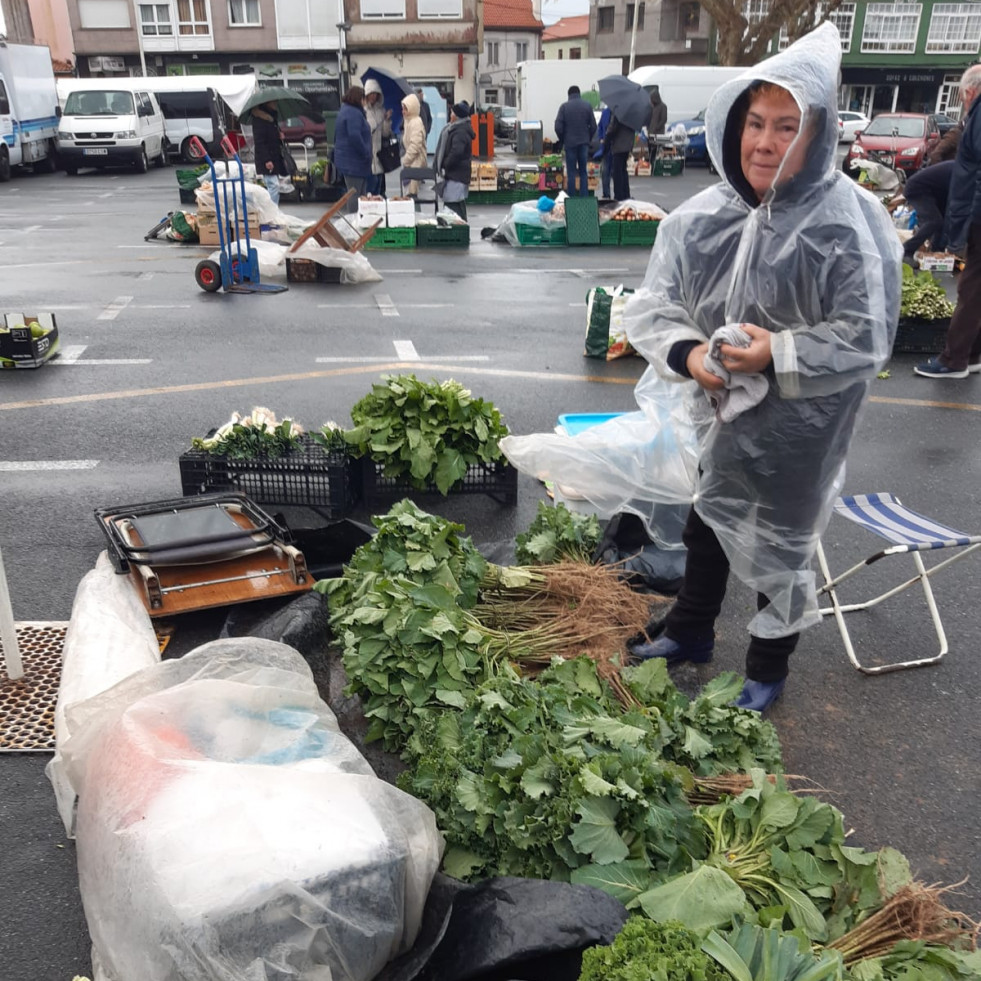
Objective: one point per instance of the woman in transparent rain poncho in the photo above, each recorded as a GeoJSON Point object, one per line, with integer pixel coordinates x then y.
{"type": "Point", "coordinates": [808, 266]}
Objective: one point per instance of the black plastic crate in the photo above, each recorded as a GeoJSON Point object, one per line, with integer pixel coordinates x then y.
{"type": "Point", "coordinates": [917, 336]}
{"type": "Point", "coordinates": [308, 475]}
{"type": "Point", "coordinates": [308, 271]}
{"type": "Point", "coordinates": [496, 480]}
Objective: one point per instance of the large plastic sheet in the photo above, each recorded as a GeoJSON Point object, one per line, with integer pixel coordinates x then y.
{"type": "Point", "coordinates": [228, 831]}
{"type": "Point", "coordinates": [109, 637]}
{"type": "Point", "coordinates": [817, 263]}
{"type": "Point", "coordinates": [641, 462]}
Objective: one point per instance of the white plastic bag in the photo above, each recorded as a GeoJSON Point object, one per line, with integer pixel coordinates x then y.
{"type": "Point", "coordinates": [228, 831]}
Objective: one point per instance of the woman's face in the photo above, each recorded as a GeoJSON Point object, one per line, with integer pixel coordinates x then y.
{"type": "Point", "coordinates": [372, 97]}
{"type": "Point", "coordinates": [772, 124]}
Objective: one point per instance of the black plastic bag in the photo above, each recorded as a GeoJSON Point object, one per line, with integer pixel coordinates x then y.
{"type": "Point", "coordinates": [507, 929]}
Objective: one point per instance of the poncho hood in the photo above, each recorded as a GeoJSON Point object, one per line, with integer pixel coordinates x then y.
{"type": "Point", "coordinates": [809, 70]}
{"type": "Point", "coordinates": [410, 105]}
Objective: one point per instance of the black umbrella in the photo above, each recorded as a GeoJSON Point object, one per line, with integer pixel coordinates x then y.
{"type": "Point", "coordinates": [627, 100]}
{"type": "Point", "coordinates": [288, 103]}
{"type": "Point", "coordinates": [394, 89]}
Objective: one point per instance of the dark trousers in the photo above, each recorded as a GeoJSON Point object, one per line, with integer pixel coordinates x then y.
{"type": "Point", "coordinates": [575, 164]}
{"type": "Point", "coordinates": [963, 346]}
{"type": "Point", "coordinates": [621, 183]}
{"type": "Point", "coordinates": [605, 174]}
{"type": "Point", "coordinates": [699, 603]}
{"type": "Point", "coordinates": [460, 207]}
{"type": "Point", "coordinates": [929, 226]}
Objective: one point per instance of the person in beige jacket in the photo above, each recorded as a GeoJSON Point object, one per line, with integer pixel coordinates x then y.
{"type": "Point", "coordinates": [413, 139]}
{"type": "Point", "coordinates": [380, 121]}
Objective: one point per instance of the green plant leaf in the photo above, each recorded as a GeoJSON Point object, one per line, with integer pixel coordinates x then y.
{"type": "Point", "coordinates": [702, 899]}
{"type": "Point", "coordinates": [623, 880]}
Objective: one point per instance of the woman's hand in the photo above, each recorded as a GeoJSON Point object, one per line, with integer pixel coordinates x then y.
{"type": "Point", "coordinates": [696, 368]}
{"type": "Point", "coordinates": [269, 166]}
{"type": "Point", "coordinates": [388, 113]}
{"type": "Point", "coordinates": [748, 360]}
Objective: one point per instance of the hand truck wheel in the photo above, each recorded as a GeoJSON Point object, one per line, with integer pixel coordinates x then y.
{"type": "Point", "coordinates": [207, 273]}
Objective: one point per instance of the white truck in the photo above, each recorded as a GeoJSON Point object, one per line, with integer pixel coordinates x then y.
{"type": "Point", "coordinates": [544, 85]}
{"type": "Point", "coordinates": [28, 103]}
{"type": "Point", "coordinates": [684, 89]}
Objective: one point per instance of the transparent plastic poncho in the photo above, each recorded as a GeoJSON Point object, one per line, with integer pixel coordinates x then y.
{"type": "Point", "coordinates": [817, 262]}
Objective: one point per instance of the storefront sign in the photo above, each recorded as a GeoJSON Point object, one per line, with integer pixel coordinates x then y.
{"type": "Point", "coordinates": [892, 76]}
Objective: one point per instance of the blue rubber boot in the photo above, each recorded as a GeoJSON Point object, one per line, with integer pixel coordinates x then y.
{"type": "Point", "coordinates": [758, 696]}
{"type": "Point", "coordinates": [674, 651]}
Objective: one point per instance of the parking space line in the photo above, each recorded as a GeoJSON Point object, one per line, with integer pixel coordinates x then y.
{"type": "Point", "coordinates": [385, 305]}
{"type": "Point", "coordinates": [11, 465]}
{"type": "Point", "coordinates": [374, 360]}
{"type": "Point", "coordinates": [406, 351]}
{"type": "Point", "coordinates": [113, 309]}
{"type": "Point", "coordinates": [69, 354]}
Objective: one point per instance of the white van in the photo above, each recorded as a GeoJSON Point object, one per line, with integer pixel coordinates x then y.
{"type": "Point", "coordinates": [109, 127]}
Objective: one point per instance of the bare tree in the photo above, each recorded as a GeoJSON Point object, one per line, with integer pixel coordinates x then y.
{"type": "Point", "coordinates": [744, 40]}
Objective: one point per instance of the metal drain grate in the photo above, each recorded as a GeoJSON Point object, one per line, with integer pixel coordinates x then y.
{"type": "Point", "coordinates": [27, 706]}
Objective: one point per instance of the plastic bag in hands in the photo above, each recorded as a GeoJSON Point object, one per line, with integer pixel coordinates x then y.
{"type": "Point", "coordinates": [228, 830]}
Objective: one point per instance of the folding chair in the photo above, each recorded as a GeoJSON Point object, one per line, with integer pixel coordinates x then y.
{"type": "Point", "coordinates": [911, 534]}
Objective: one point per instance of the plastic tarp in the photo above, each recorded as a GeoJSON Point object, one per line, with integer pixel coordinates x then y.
{"type": "Point", "coordinates": [109, 637]}
{"type": "Point", "coordinates": [641, 462]}
{"type": "Point", "coordinates": [228, 831]}
{"type": "Point", "coordinates": [354, 266]}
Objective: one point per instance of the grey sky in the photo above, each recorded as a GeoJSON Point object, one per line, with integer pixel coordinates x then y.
{"type": "Point", "coordinates": [553, 10]}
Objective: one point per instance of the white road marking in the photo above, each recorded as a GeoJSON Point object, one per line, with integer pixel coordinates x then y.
{"type": "Point", "coordinates": [385, 305]}
{"type": "Point", "coordinates": [48, 464]}
{"type": "Point", "coordinates": [145, 275]}
{"type": "Point", "coordinates": [113, 309]}
{"type": "Point", "coordinates": [452, 358]}
{"type": "Point", "coordinates": [69, 354]}
{"type": "Point", "coordinates": [102, 361]}
{"type": "Point", "coordinates": [372, 306]}
{"type": "Point", "coordinates": [33, 228]}
{"type": "Point", "coordinates": [406, 351]}
{"type": "Point", "coordinates": [108, 194]}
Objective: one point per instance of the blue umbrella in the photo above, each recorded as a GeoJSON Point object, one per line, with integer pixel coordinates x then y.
{"type": "Point", "coordinates": [628, 101]}
{"type": "Point", "coordinates": [394, 89]}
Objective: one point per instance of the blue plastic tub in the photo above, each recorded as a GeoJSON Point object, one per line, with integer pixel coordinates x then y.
{"type": "Point", "coordinates": [576, 422]}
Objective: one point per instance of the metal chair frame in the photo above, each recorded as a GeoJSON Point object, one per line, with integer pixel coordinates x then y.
{"type": "Point", "coordinates": [911, 534]}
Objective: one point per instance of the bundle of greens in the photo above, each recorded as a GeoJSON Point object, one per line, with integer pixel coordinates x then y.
{"type": "Point", "coordinates": [255, 436]}
{"type": "Point", "coordinates": [752, 953]}
{"type": "Point", "coordinates": [428, 432]}
{"type": "Point", "coordinates": [644, 950]}
{"type": "Point", "coordinates": [923, 297]}
{"type": "Point", "coordinates": [558, 534]}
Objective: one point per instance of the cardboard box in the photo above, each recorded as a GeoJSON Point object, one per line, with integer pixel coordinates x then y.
{"type": "Point", "coordinates": [19, 348]}
{"type": "Point", "coordinates": [487, 184]}
{"type": "Point", "coordinates": [505, 178]}
{"type": "Point", "coordinates": [401, 213]}
{"type": "Point", "coordinates": [486, 171]}
{"type": "Point", "coordinates": [208, 229]}
{"type": "Point", "coordinates": [369, 211]}
{"type": "Point", "coordinates": [526, 174]}
{"type": "Point", "coordinates": [474, 175]}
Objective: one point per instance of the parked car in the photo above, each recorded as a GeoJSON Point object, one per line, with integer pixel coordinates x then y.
{"type": "Point", "coordinates": [899, 140]}
{"type": "Point", "coordinates": [851, 123]}
{"type": "Point", "coordinates": [944, 122]}
{"type": "Point", "coordinates": [302, 129]}
{"type": "Point", "coordinates": [505, 121]}
{"type": "Point", "coordinates": [695, 150]}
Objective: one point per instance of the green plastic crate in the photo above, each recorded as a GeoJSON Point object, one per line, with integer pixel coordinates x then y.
{"type": "Point", "coordinates": [637, 232]}
{"type": "Point", "coordinates": [669, 167]}
{"type": "Point", "coordinates": [392, 238]}
{"type": "Point", "coordinates": [610, 232]}
{"type": "Point", "coordinates": [582, 221]}
{"type": "Point", "coordinates": [541, 236]}
{"type": "Point", "coordinates": [443, 236]}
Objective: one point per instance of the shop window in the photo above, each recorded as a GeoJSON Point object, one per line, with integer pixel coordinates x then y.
{"type": "Point", "coordinates": [155, 20]}
{"type": "Point", "coordinates": [604, 20]}
{"type": "Point", "coordinates": [436, 9]}
{"type": "Point", "coordinates": [955, 28]}
{"type": "Point", "coordinates": [192, 17]}
{"type": "Point", "coordinates": [104, 14]}
{"type": "Point", "coordinates": [949, 98]}
{"type": "Point", "coordinates": [891, 28]}
{"type": "Point", "coordinates": [382, 9]}
{"type": "Point", "coordinates": [630, 17]}
{"type": "Point", "coordinates": [244, 13]}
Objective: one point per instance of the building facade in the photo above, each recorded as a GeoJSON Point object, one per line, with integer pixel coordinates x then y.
{"type": "Point", "coordinates": [512, 34]}
{"type": "Point", "coordinates": [669, 32]}
{"type": "Point", "coordinates": [567, 39]}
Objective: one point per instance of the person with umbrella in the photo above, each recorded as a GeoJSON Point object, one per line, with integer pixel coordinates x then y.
{"type": "Point", "coordinates": [630, 107]}
{"type": "Point", "coordinates": [352, 144]}
{"type": "Point", "coordinates": [380, 123]}
{"type": "Point", "coordinates": [575, 126]}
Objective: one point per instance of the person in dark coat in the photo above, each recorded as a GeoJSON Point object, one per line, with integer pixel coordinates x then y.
{"type": "Point", "coordinates": [619, 142]}
{"type": "Point", "coordinates": [575, 126]}
{"type": "Point", "coordinates": [961, 355]}
{"type": "Point", "coordinates": [926, 193]}
{"type": "Point", "coordinates": [425, 113]}
{"type": "Point", "coordinates": [946, 147]}
{"type": "Point", "coordinates": [602, 154]}
{"type": "Point", "coordinates": [454, 151]}
{"type": "Point", "coordinates": [352, 144]}
{"type": "Point", "coordinates": [268, 143]}
{"type": "Point", "coordinates": [659, 120]}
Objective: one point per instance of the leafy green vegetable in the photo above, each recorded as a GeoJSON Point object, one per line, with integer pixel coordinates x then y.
{"type": "Point", "coordinates": [430, 433]}
{"type": "Point", "coordinates": [644, 950]}
{"type": "Point", "coordinates": [753, 953]}
{"type": "Point", "coordinates": [252, 437]}
{"type": "Point", "coordinates": [923, 296]}
{"type": "Point", "coordinates": [537, 778]}
{"type": "Point", "coordinates": [701, 899]}
{"type": "Point", "coordinates": [556, 534]}
{"type": "Point", "coordinates": [912, 960]}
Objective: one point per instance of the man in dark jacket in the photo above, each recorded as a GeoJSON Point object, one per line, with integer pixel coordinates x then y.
{"type": "Point", "coordinates": [619, 142]}
{"type": "Point", "coordinates": [659, 119]}
{"type": "Point", "coordinates": [926, 193]}
{"type": "Point", "coordinates": [270, 164]}
{"type": "Point", "coordinates": [961, 355]}
{"type": "Point", "coordinates": [575, 126]}
{"type": "Point", "coordinates": [454, 151]}
{"type": "Point", "coordinates": [425, 113]}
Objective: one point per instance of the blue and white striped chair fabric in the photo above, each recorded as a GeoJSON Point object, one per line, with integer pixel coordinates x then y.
{"type": "Point", "coordinates": [910, 534]}
{"type": "Point", "coordinates": [890, 519]}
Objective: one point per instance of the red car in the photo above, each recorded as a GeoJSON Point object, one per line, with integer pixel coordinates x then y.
{"type": "Point", "coordinates": [302, 129]}
{"type": "Point", "coordinates": [899, 140]}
